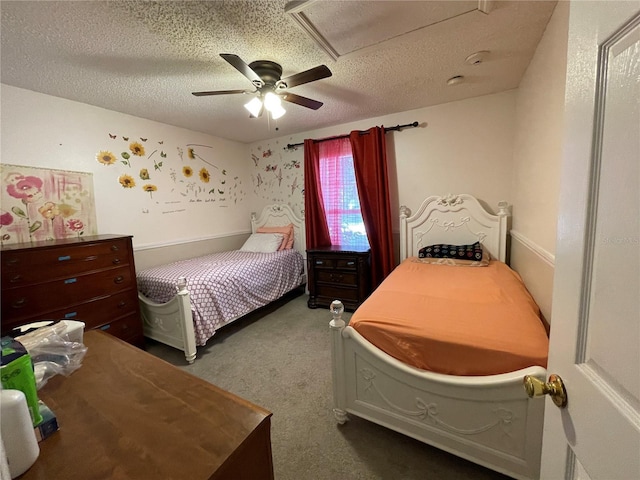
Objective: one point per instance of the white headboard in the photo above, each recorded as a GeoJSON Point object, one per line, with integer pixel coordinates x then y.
{"type": "Point", "coordinates": [454, 220]}
{"type": "Point", "coordinates": [278, 215]}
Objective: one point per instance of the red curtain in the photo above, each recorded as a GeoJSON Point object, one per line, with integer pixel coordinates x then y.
{"type": "Point", "coordinates": [315, 224]}
{"type": "Point", "coordinates": [370, 164]}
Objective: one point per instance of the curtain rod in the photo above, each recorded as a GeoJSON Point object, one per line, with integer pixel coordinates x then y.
{"type": "Point", "coordinates": [386, 129]}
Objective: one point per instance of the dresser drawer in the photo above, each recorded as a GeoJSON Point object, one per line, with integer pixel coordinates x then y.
{"type": "Point", "coordinates": [26, 266]}
{"type": "Point", "coordinates": [337, 276]}
{"type": "Point", "coordinates": [22, 302]}
{"type": "Point", "coordinates": [126, 328]}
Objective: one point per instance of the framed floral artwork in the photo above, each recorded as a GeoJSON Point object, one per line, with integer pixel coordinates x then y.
{"type": "Point", "coordinates": [45, 204]}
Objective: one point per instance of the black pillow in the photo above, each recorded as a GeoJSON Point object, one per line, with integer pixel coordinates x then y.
{"type": "Point", "coordinates": [459, 252]}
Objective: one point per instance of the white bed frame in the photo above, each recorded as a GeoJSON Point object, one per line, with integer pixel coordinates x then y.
{"type": "Point", "coordinates": [488, 420]}
{"type": "Point", "coordinates": [171, 323]}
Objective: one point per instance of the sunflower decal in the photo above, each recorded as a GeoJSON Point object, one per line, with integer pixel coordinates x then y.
{"type": "Point", "coordinates": [204, 175]}
{"type": "Point", "coordinates": [106, 158]}
{"type": "Point", "coordinates": [137, 149]}
{"type": "Point", "coordinates": [127, 181]}
{"type": "Point", "coordinates": [150, 188]}
{"type": "Point", "coordinates": [187, 171]}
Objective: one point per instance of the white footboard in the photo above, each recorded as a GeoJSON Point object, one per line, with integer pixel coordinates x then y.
{"type": "Point", "coordinates": [171, 323]}
{"type": "Point", "coordinates": [488, 420]}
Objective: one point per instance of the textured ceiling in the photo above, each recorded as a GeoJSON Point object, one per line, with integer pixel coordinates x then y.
{"type": "Point", "coordinates": [145, 58]}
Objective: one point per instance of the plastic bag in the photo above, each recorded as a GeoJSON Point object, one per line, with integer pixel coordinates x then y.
{"type": "Point", "coordinates": [52, 352]}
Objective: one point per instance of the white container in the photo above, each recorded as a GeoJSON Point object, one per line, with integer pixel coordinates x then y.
{"type": "Point", "coordinates": [20, 443]}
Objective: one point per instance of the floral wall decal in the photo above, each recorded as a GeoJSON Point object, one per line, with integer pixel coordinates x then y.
{"type": "Point", "coordinates": [44, 204]}
{"type": "Point", "coordinates": [278, 175]}
{"type": "Point", "coordinates": [202, 179]}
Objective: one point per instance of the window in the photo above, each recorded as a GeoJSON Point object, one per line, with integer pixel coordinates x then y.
{"type": "Point", "coordinates": [340, 195]}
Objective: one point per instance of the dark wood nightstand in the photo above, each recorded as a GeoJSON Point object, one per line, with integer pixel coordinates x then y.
{"type": "Point", "coordinates": [338, 273]}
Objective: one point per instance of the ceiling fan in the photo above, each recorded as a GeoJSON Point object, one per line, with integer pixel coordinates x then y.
{"type": "Point", "coordinates": [265, 76]}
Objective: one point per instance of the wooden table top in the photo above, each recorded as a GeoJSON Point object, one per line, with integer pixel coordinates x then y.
{"type": "Point", "coordinates": [127, 414]}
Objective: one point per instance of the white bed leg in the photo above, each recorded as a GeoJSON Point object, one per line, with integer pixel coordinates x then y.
{"type": "Point", "coordinates": [337, 361]}
{"type": "Point", "coordinates": [188, 333]}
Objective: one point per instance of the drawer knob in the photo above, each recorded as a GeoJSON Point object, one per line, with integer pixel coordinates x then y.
{"type": "Point", "coordinates": [19, 303]}
{"type": "Point", "coordinates": [70, 280]}
{"type": "Point", "coordinates": [15, 279]}
{"type": "Point", "coordinates": [116, 261]}
{"type": "Point", "coordinates": [122, 304]}
{"type": "Point", "coordinates": [114, 248]}
{"type": "Point", "coordinates": [118, 279]}
{"type": "Point", "coordinates": [64, 258]}
{"type": "Point", "coordinates": [12, 261]}
{"type": "Point", "coordinates": [70, 314]}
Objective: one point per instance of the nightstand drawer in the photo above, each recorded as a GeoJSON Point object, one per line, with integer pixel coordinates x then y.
{"type": "Point", "coordinates": [335, 292]}
{"type": "Point", "coordinates": [337, 276]}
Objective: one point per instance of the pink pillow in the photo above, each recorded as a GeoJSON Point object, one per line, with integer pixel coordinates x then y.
{"type": "Point", "coordinates": [287, 232]}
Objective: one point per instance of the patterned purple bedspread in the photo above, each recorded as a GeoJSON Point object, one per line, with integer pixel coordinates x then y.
{"type": "Point", "coordinates": [226, 285]}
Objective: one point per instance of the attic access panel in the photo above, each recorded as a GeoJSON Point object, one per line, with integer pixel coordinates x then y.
{"type": "Point", "coordinates": [344, 27]}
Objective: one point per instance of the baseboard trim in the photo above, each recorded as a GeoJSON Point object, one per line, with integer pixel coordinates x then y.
{"type": "Point", "coordinates": [543, 254]}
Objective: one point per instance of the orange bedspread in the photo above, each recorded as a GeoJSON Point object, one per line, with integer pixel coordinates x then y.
{"type": "Point", "coordinates": [455, 320]}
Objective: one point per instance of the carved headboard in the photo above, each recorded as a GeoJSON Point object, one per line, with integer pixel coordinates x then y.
{"type": "Point", "coordinates": [455, 220]}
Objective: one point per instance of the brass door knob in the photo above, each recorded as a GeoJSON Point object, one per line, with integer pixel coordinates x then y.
{"type": "Point", "coordinates": [554, 387]}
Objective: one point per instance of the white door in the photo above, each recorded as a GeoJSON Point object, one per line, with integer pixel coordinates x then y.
{"type": "Point", "coordinates": [595, 333]}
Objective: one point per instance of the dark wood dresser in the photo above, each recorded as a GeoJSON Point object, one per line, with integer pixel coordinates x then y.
{"type": "Point", "coordinates": [89, 279]}
{"type": "Point", "coordinates": [125, 414]}
{"type": "Point", "coordinates": [338, 273]}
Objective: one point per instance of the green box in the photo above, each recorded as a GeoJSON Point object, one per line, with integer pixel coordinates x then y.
{"type": "Point", "coordinates": [17, 374]}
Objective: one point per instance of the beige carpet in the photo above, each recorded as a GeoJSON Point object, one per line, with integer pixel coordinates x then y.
{"type": "Point", "coordinates": [280, 359]}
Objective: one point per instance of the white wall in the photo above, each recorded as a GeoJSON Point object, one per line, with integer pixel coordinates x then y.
{"type": "Point", "coordinates": [460, 147]}
{"type": "Point", "coordinates": [49, 132]}
{"type": "Point", "coordinates": [537, 156]}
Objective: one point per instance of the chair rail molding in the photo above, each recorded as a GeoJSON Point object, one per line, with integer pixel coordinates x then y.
{"type": "Point", "coordinates": [546, 256]}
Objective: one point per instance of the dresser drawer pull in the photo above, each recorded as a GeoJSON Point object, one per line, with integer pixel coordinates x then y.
{"type": "Point", "coordinates": [118, 279]}
{"type": "Point", "coordinates": [105, 327]}
{"type": "Point", "coordinates": [70, 314]}
{"type": "Point", "coordinates": [319, 262]}
{"type": "Point", "coordinates": [64, 257]}
{"type": "Point", "coordinates": [70, 280]}
{"type": "Point", "coordinates": [19, 303]}
{"type": "Point", "coordinates": [13, 261]}
{"type": "Point", "coordinates": [122, 304]}
{"type": "Point", "coordinates": [90, 258]}
{"type": "Point", "coordinates": [116, 261]}
{"type": "Point", "coordinates": [351, 263]}
{"type": "Point", "coordinates": [16, 278]}
{"type": "Point", "coordinates": [114, 248]}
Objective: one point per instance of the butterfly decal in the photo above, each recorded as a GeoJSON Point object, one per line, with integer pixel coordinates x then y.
{"type": "Point", "coordinates": [221, 192]}
{"type": "Point", "coordinates": [160, 143]}
{"type": "Point", "coordinates": [259, 180]}
{"type": "Point", "coordinates": [112, 136]}
{"type": "Point", "coordinates": [163, 155]}
{"type": "Point", "coordinates": [279, 177]}
{"type": "Point", "coordinates": [143, 139]}
{"type": "Point", "coordinates": [294, 185]}
{"type": "Point", "coordinates": [266, 153]}
{"type": "Point", "coordinates": [255, 159]}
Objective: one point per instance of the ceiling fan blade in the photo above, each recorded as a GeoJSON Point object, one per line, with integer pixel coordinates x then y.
{"type": "Point", "coordinates": [218, 92]}
{"type": "Point", "coordinates": [300, 100]}
{"type": "Point", "coordinates": [243, 68]}
{"type": "Point", "coordinates": [307, 76]}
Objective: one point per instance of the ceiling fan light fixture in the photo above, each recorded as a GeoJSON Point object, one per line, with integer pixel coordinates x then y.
{"type": "Point", "coordinates": [272, 102]}
{"type": "Point", "coordinates": [277, 111]}
{"type": "Point", "coordinates": [254, 106]}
